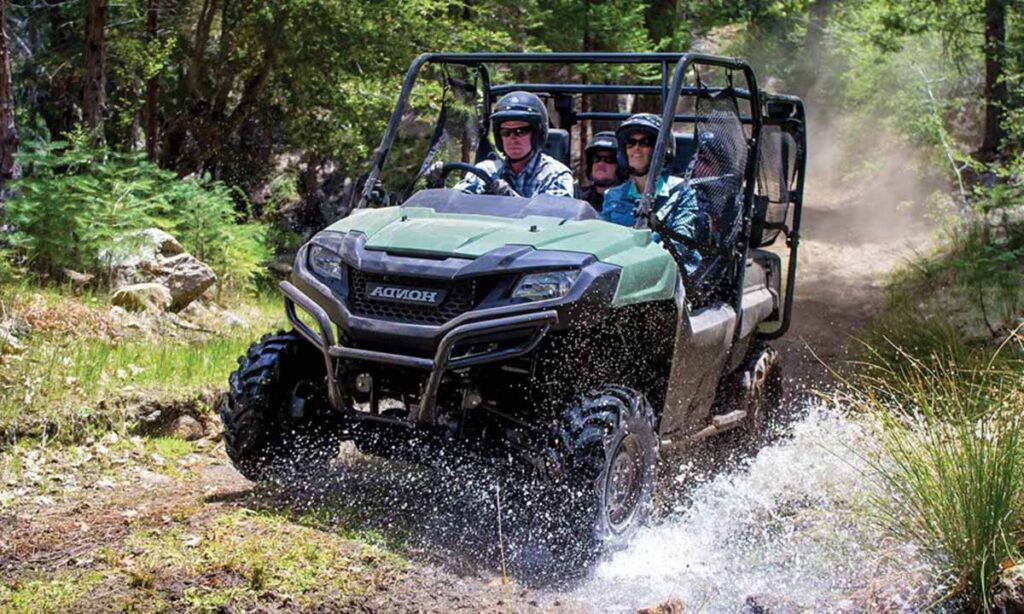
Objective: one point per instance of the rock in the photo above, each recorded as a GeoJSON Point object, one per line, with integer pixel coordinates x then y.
{"type": "Point", "coordinates": [137, 253]}
{"type": "Point", "coordinates": [142, 297]}
{"type": "Point", "coordinates": [234, 320]}
{"type": "Point", "coordinates": [151, 479]}
{"type": "Point", "coordinates": [283, 268]}
{"type": "Point", "coordinates": [17, 325]}
{"type": "Point", "coordinates": [186, 277]}
{"type": "Point", "coordinates": [335, 197]}
{"type": "Point", "coordinates": [78, 280]}
{"type": "Point", "coordinates": [1005, 224]}
{"type": "Point", "coordinates": [195, 310]}
{"type": "Point", "coordinates": [187, 428]}
{"type": "Point", "coordinates": [1009, 591]}
{"type": "Point", "coordinates": [672, 606]}
{"type": "Point", "coordinates": [153, 256]}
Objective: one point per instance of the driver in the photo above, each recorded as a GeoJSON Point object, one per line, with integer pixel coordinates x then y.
{"type": "Point", "coordinates": [674, 200]}
{"type": "Point", "coordinates": [520, 126]}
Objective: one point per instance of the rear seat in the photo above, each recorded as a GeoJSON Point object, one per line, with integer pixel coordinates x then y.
{"type": "Point", "coordinates": [557, 145]}
{"type": "Point", "coordinates": [686, 147]}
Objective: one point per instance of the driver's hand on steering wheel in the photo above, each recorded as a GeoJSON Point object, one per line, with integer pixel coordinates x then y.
{"type": "Point", "coordinates": [500, 187]}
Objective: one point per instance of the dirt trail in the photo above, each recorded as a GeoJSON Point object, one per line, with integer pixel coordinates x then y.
{"type": "Point", "coordinates": [852, 235]}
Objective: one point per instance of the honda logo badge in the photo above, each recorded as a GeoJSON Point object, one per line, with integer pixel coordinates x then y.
{"type": "Point", "coordinates": [403, 294]}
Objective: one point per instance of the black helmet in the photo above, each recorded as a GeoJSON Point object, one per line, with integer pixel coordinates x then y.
{"type": "Point", "coordinates": [524, 107]}
{"type": "Point", "coordinates": [708, 142]}
{"type": "Point", "coordinates": [601, 140]}
{"type": "Point", "coordinates": [650, 125]}
{"type": "Point", "coordinates": [714, 150]}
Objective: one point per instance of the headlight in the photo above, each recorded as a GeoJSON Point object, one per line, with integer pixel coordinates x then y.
{"type": "Point", "coordinates": [324, 262]}
{"type": "Point", "coordinates": [543, 286]}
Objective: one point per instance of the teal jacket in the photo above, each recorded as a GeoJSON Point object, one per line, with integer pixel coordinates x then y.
{"type": "Point", "coordinates": [675, 202]}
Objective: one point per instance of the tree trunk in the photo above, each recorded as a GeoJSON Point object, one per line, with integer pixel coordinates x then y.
{"type": "Point", "coordinates": [152, 85]}
{"type": "Point", "coordinates": [195, 74]}
{"type": "Point", "coordinates": [661, 18]}
{"type": "Point", "coordinates": [93, 93]}
{"type": "Point", "coordinates": [8, 129]}
{"type": "Point", "coordinates": [995, 83]}
{"type": "Point", "coordinates": [60, 98]}
{"type": "Point", "coordinates": [311, 175]}
{"type": "Point", "coordinates": [811, 71]}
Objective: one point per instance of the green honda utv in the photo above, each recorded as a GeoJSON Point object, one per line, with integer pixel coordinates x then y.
{"type": "Point", "coordinates": [528, 332]}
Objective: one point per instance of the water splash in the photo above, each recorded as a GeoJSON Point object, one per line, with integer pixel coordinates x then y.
{"type": "Point", "coordinates": [785, 531]}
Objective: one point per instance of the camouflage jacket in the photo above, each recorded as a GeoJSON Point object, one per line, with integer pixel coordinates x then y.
{"type": "Point", "coordinates": [674, 202]}
{"type": "Point", "coordinates": [541, 175]}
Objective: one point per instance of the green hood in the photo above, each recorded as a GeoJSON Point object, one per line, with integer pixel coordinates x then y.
{"type": "Point", "coordinates": [648, 271]}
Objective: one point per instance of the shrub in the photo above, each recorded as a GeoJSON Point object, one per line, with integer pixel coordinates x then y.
{"type": "Point", "coordinates": [201, 214]}
{"type": "Point", "coordinates": [77, 204]}
{"type": "Point", "coordinates": [74, 200]}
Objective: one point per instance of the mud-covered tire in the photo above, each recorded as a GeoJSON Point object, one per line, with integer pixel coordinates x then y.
{"type": "Point", "coordinates": [261, 437]}
{"type": "Point", "coordinates": [764, 402]}
{"type": "Point", "coordinates": [606, 455]}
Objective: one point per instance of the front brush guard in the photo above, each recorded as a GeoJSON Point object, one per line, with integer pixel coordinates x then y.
{"type": "Point", "coordinates": [537, 322]}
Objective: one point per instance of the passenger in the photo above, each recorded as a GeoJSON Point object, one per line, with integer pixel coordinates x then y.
{"type": "Point", "coordinates": [718, 187]}
{"type": "Point", "coordinates": [602, 168]}
{"type": "Point", "coordinates": [674, 202]}
{"type": "Point", "coordinates": [520, 126]}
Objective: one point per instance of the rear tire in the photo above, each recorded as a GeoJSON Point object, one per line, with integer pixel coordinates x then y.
{"type": "Point", "coordinates": [761, 383]}
{"type": "Point", "coordinates": [262, 437]}
{"type": "Point", "coordinates": [607, 449]}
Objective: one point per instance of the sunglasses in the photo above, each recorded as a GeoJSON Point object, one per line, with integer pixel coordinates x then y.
{"type": "Point", "coordinates": [607, 159]}
{"type": "Point", "coordinates": [522, 130]}
{"type": "Point", "coordinates": [641, 142]}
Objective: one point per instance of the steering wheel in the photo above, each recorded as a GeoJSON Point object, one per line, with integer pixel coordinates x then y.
{"type": "Point", "coordinates": [450, 167]}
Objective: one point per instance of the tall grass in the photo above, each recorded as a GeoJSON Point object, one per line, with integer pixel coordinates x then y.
{"type": "Point", "coordinates": [951, 461]}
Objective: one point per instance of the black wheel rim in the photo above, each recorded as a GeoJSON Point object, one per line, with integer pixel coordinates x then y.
{"type": "Point", "coordinates": [624, 484]}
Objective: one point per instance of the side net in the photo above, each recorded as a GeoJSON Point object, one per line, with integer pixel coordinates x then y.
{"type": "Point", "coordinates": [716, 177]}
{"type": "Point", "coordinates": [775, 174]}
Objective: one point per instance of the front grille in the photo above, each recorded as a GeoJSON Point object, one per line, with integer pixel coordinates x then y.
{"type": "Point", "coordinates": [461, 297]}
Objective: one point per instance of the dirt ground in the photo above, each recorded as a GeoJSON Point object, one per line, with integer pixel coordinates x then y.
{"type": "Point", "coordinates": [443, 527]}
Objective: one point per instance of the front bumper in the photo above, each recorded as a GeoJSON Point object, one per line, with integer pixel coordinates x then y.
{"type": "Point", "coordinates": [487, 333]}
{"type": "Point", "coordinates": [535, 325]}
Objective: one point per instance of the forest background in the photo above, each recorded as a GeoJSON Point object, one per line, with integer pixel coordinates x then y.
{"type": "Point", "coordinates": [278, 105]}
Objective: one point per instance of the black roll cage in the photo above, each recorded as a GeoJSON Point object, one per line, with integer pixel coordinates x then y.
{"type": "Point", "coordinates": [788, 113]}
{"type": "Point", "coordinates": [670, 89]}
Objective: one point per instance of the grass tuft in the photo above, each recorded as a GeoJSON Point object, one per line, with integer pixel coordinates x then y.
{"type": "Point", "coordinates": [56, 594]}
{"type": "Point", "coordinates": [951, 461]}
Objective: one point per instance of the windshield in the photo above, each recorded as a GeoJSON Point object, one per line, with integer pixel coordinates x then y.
{"type": "Point", "coordinates": [442, 115]}
{"type": "Point", "coordinates": [443, 112]}
{"type": "Point", "coordinates": [454, 201]}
